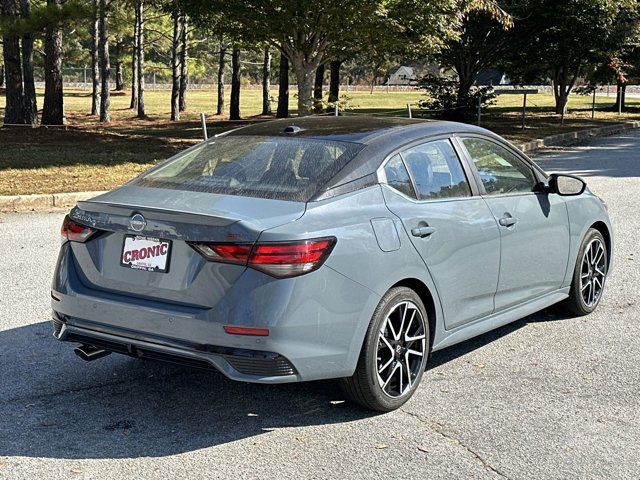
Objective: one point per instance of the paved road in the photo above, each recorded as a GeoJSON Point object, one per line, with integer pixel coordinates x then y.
{"type": "Point", "coordinates": [546, 397]}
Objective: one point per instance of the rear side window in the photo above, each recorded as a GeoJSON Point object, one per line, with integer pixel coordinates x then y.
{"type": "Point", "coordinates": [436, 170]}
{"type": "Point", "coordinates": [278, 168]}
{"type": "Point", "coordinates": [398, 177]}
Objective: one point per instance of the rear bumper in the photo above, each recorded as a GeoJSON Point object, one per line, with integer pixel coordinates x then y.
{"type": "Point", "coordinates": [316, 324]}
{"type": "Point", "coordinates": [236, 364]}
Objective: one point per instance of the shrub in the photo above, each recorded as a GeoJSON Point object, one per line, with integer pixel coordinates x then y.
{"type": "Point", "coordinates": [444, 99]}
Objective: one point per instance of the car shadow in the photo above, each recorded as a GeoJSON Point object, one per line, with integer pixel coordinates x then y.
{"type": "Point", "coordinates": [441, 357]}
{"type": "Point", "coordinates": [54, 405]}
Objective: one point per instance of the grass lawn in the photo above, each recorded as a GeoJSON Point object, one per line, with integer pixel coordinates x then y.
{"type": "Point", "coordinates": [87, 155]}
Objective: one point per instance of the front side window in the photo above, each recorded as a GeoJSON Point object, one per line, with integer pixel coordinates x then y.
{"type": "Point", "coordinates": [500, 170]}
{"type": "Point", "coordinates": [278, 168]}
{"type": "Point", "coordinates": [436, 171]}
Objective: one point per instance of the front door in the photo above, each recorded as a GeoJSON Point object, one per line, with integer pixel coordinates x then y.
{"type": "Point", "coordinates": [453, 230]}
{"type": "Point", "coordinates": [534, 226]}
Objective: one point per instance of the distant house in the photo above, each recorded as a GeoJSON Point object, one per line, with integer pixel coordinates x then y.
{"type": "Point", "coordinates": [401, 75]}
{"type": "Point", "coordinates": [492, 76]}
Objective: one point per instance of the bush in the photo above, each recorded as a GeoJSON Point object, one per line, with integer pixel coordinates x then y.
{"type": "Point", "coordinates": [445, 101]}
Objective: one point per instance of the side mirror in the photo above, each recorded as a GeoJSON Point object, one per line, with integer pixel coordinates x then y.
{"type": "Point", "coordinates": [566, 185]}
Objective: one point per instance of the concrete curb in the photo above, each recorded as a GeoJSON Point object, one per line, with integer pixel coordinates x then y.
{"type": "Point", "coordinates": [43, 202]}
{"type": "Point", "coordinates": [50, 201]}
{"type": "Point", "coordinates": [572, 137]}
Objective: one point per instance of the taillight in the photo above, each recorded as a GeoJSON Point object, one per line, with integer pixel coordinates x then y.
{"type": "Point", "coordinates": [72, 231]}
{"type": "Point", "coordinates": [281, 259]}
{"type": "Point", "coordinates": [224, 252]}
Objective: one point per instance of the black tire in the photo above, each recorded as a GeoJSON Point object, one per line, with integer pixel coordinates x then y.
{"type": "Point", "coordinates": [363, 387]}
{"type": "Point", "coordinates": [576, 304]}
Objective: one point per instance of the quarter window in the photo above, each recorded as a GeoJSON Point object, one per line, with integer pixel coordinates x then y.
{"type": "Point", "coordinates": [500, 170]}
{"type": "Point", "coordinates": [398, 177]}
{"type": "Point", "coordinates": [436, 171]}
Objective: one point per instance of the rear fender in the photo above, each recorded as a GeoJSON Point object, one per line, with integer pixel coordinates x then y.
{"type": "Point", "coordinates": [358, 254]}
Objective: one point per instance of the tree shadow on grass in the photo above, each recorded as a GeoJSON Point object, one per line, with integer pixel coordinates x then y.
{"type": "Point", "coordinates": [42, 147]}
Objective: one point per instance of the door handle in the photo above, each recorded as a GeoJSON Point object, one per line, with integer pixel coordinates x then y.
{"type": "Point", "coordinates": [508, 221]}
{"type": "Point", "coordinates": [422, 231]}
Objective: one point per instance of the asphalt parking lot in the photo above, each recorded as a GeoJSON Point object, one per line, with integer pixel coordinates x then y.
{"type": "Point", "coordinates": [545, 397]}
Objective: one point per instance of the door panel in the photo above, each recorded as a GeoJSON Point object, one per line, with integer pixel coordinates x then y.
{"type": "Point", "coordinates": [462, 254]}
{"type": "Point", "coordinates": [454, 232]}
{"type": "Point", "coordinates": [534, 226]}
{"type": "Point", "coordinates": [535, 249]}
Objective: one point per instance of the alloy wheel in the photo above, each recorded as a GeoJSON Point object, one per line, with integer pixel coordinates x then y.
{"type": "Point", "coordinates": [593, 272]}
{"type": "Point", "coordinates": [401, 349]}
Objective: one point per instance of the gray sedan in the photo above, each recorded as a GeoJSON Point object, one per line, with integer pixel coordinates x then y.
{"type": "Point", "coordinates": [325, 247]}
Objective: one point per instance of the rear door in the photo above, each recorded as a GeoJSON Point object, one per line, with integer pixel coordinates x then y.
{"type": "Point", "coordinates": [451, 227]}
{"type": "Point", "coordinates": [534, 227]}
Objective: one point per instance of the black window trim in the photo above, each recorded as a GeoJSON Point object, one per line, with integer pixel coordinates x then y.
{"type": "Point", "coordinates": [470, 175]}
{"type": "Point", "coordinates": [538, 173]}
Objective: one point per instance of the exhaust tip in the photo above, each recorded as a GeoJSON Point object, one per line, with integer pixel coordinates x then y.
{"type": "Point", "coordinates": [88, 353]}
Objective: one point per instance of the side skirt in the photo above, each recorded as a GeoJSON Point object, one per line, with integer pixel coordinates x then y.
{"type": "Point", "coordinates": [496, 320]}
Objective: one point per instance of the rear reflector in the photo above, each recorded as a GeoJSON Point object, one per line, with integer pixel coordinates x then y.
{"type": "Point", "coordinates": [259, 332]}
{"type": "Point", "coordinates": [75, 232]}
{"type": "Point", "coordinates": [282, 259]}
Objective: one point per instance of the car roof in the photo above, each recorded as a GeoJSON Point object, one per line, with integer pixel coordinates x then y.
{"type": "Point", "coordinates": [379, 137]}
{"type": "Point", "coordinates": [350, 128]}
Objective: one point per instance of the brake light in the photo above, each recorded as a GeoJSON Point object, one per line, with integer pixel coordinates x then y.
{"type": "Point", "coordinates": [282, 259]}
{"type": "Point", "coordinates": [75, 232]}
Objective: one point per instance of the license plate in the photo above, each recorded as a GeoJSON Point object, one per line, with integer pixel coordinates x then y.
{"type": "Point", "coordinates": [145, 253]}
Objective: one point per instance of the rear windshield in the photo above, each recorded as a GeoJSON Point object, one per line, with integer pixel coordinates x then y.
{"type": "Point", "coordinates": [268, 167]}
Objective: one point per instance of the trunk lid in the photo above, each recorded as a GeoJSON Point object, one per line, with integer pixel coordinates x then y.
{"type": "Point", "coordinates": [179, 217]}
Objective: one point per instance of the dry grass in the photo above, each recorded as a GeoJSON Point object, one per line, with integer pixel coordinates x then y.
{"type": "Point", "coordinates": [90, 156]}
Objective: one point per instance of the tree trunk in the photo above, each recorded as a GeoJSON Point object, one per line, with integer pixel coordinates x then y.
{"type": "Point", "coordinates": [222, 60]}
{"type": "Point", "coordinates": [334, 81]}
{"type": "Point", "coordinates": [304, 65]}
{"type": "Point", "coordinates": [175, 68]}
{"type": "Point", "coordinates": [559, 92]}
{"type": "Point", "coordinates": [105, 65]}
{"type": "Point", "coordinates": [266, 82]}
{"type": "Point", "coordinates": [2, 75]}
{"type": "Point", "coordinates": [283, 87]}
{"type": "Point", "coordinates": [466, 79]}
{"type": "Point", "coordinates": [562, 86]}
{"type": "Point", "coordinates": [119, 81]}
{"type": "Point", "coordinates": [30, 105]}
{"type": "Point", "coordinates": [182, 101]}
{"type": "Point", "coordinates": [140, 59]}
{"type": "Point", "coordinates": [621, 90]}
{"type": "Point", "coordinates": [134, 62]}
{"type": "Point", "coordinates": [234, 103]}
{"type": "Point", "coordinates": [53, 107]}
{"type": "Point", "coordinates": [14, 93]}
{"type": "Point", "coordinates": [317, 89]}
{"type": "Point", "coordinates": [304, 79]}
{"type": "Point", "coordinates": [95, 61]}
